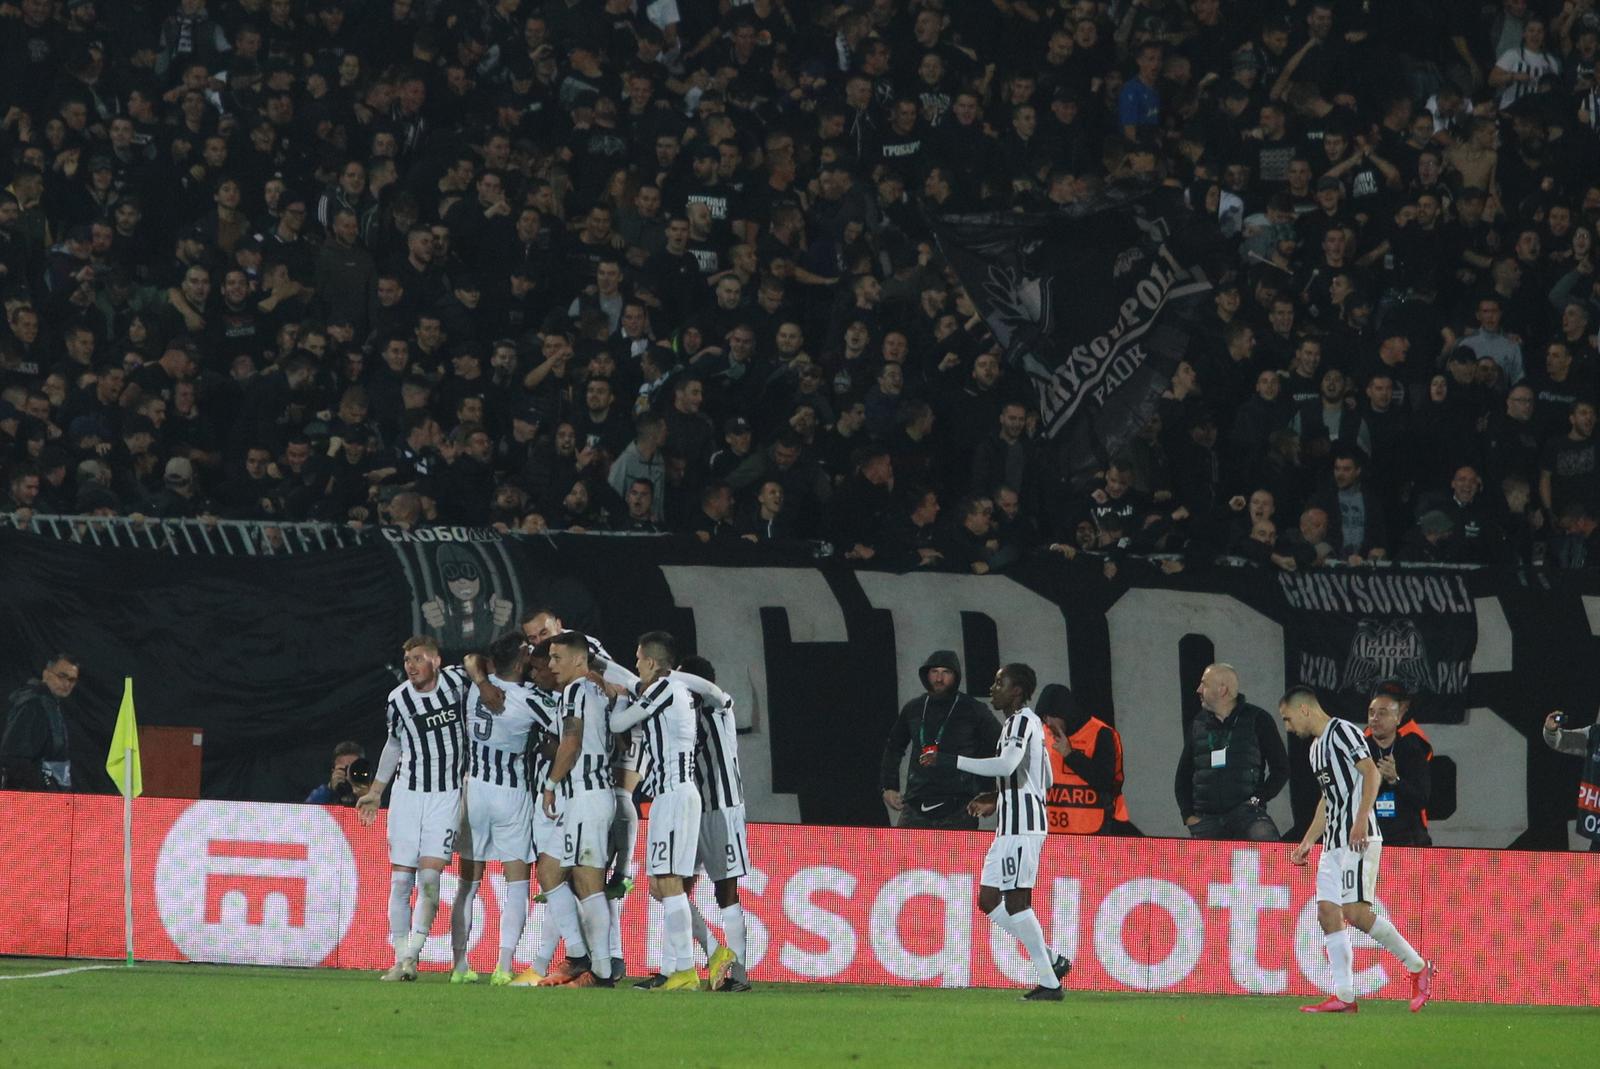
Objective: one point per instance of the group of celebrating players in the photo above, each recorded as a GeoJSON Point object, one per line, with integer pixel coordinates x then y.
{"type": "Point", "coordinates": [529, 756]}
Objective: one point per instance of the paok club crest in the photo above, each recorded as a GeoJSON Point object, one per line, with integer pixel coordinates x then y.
{"type": "Point", "coordinates": [1383, 650]}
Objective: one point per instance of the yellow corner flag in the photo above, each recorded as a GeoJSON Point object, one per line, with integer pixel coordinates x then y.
{"type": "Point", "coordinates": [123, 760]}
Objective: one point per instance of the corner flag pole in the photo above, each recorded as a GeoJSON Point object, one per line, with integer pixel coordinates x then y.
{"type": "Point", "coordinates": [122, 763]}
{"type": "Point", "coordinates": [127, 858]}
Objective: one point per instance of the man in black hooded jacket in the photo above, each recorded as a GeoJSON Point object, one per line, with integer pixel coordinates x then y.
{"type": "Point", "coordinates": [951, 721]}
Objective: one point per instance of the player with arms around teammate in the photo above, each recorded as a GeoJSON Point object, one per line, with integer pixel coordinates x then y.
{"type": "Point", "coordinates": [561, 907]}
{"type": "Point", "coordinates": [1012, 864]}
{"type": "Point", "coordinates": [542, 625]}
{"type": "Point", "coordinates": [723, 852]}
{"type": "Point", "coordinates": [424, 757]}
{"type": "Point", "coordinates": [665, 710]}
{"type": "Point", "coordinates": [581, 774]}
{"type": "Point", "coordinates": [501, 715]}
{"type": "Point", "coordinates": [1347, 871]}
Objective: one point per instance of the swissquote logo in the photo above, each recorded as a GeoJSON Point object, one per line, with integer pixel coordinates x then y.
{"type": "Point", "coordinates": [251, 882]}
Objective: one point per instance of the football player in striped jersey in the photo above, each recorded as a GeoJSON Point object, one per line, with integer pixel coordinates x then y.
{"type": "Point", "coordinates": [628, 762]}
{"type": "Point", "coordinates": [501, 715]}
{"type": "Point", "coordinates": [560, 920]}
{"type": "Point", "coordinates": [581, 775]}
{"type": "Point", "coordinates": [665, 711]}
{"type": "Point", "coordinates": [723, 853]}
{"type": "Point", "coordinates": [1347, 870]}
{"type": "Point", "coordinates": [1011, 867]}
{"type": "Point", "coordinates": [424, 756]}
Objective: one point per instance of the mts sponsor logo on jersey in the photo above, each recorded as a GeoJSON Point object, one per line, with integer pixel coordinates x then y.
{"type": "Point", "coordinates": [427, 721]}
{"type": "Point", "coordinates": [245, 882]}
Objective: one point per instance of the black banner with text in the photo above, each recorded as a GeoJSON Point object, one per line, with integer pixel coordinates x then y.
{"type": "Point", "coordinates": [278, 659]}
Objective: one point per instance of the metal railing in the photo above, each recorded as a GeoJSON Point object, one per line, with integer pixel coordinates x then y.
{"type": "Point", "coordinates": [266, 538]}
{"type": "Point", "coordinates": [190, 537]}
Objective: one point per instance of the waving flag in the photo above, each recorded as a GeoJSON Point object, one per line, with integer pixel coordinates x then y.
{"type": "Point", "coordinates": [1093, 301]}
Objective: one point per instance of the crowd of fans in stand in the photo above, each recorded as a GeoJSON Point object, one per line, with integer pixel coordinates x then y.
{"type": "Point", "coordinates": [666, 265]}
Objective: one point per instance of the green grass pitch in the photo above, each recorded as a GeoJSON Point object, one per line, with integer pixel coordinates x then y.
{"type": "Point", "coordinates": [202, 1015]}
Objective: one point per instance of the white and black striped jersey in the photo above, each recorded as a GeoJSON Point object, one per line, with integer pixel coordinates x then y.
{"type": "Point", "coordinates": [1537, 65]}
{"type": "Point", "coordinates": [497, 743]}
{"type": "Point", "coordinates": [1023, 789]}
{"type": "Point", "coordinates": [431, 731]}
{"type": "Point", "coordinates": [547, 725]}
{"type": "Point", "coordinates": [583, 700]}
{"type": "Point", "coordinates": [1334, 756]}
{"type": "Point", "coordinates": [716, 755]}
{"type": "Point", "coordinates": [665, 713]}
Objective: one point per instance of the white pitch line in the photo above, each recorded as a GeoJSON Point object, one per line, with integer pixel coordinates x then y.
{"type": "Point", "coordinates": [58, 972]}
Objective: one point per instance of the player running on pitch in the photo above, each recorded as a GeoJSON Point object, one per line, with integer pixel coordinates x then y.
{"type": "Point", "coordinates": [1347, 871]}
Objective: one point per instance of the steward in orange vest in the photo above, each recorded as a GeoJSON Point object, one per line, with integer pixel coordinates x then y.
{"type": "Point", "coordinates": [1088, 780]}
{"type": "Point", "coordinates": [1402, 805]}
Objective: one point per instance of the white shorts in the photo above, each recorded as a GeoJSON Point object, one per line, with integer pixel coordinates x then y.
{"type": "Point", "coordinates": [546, 830]}
{"type": "Point", "coordinates": [499, 824]}
{"type": "Point", "coordinates": [627, 752]}
{"type": "Point", "coordinates": [586, 829]}
{"type": "Point", "coordinates": [1345, 876]}
{"type": "Point", "coordinates": [674, 833]}
{"type": "Point", "coordinates": [1012, 862]}
{"type": "Point", "coordinates": [723, 853]}
{"type": "Point", "coordinates": [422, 824]}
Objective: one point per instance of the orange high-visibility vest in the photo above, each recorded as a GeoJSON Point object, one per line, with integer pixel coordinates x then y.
{"type": "Point", "coordinates": [1410, 728]}
{"type": "Point", "coordinates": [1072, 807]}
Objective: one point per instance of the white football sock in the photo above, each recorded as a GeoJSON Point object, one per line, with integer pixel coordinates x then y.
{"type": "Point", "coordinates": [1391, 940]}
{"type": "Point", "coordinates": [461, 923]}
{"type": "Point", "coordinates": [596, 921]}
{"type": "Point", "coordinates": [423, 912]}
{"type": "Point", "coordinates": [1002, 920]}
{"type": "Point", "coordinates": [624, 833]}
{"type": "Point", "coordinates": [677, 931]}
{"type": "Point", "coordinates": [616, 927]}
{"type": "Point", "coordinates": [1028, 929]}
{"type": "Point", "coordinates": [699, 929]}
{"type": "Point", "coordinates": [549, 936]}
{"type": "Point", "coordinates": [564, 904]}
{"type": "Point", "coordinates": [1337, 945]}
{"type": "Point", "coordinates": [733, 934]}
{"type": "Point", "coordinates": [513, 918]}
{"type": "Point", "coordinates": [400, 885]}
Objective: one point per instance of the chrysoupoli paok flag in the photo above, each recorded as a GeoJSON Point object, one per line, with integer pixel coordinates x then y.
{"type": "Point", "coordinates": [1093, 301]}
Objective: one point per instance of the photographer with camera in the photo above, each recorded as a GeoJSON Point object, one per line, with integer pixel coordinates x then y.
{"type": "Point", "coordinates": [1581, 742]}
{"type": "Point", "coordinates": [351, 776]}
